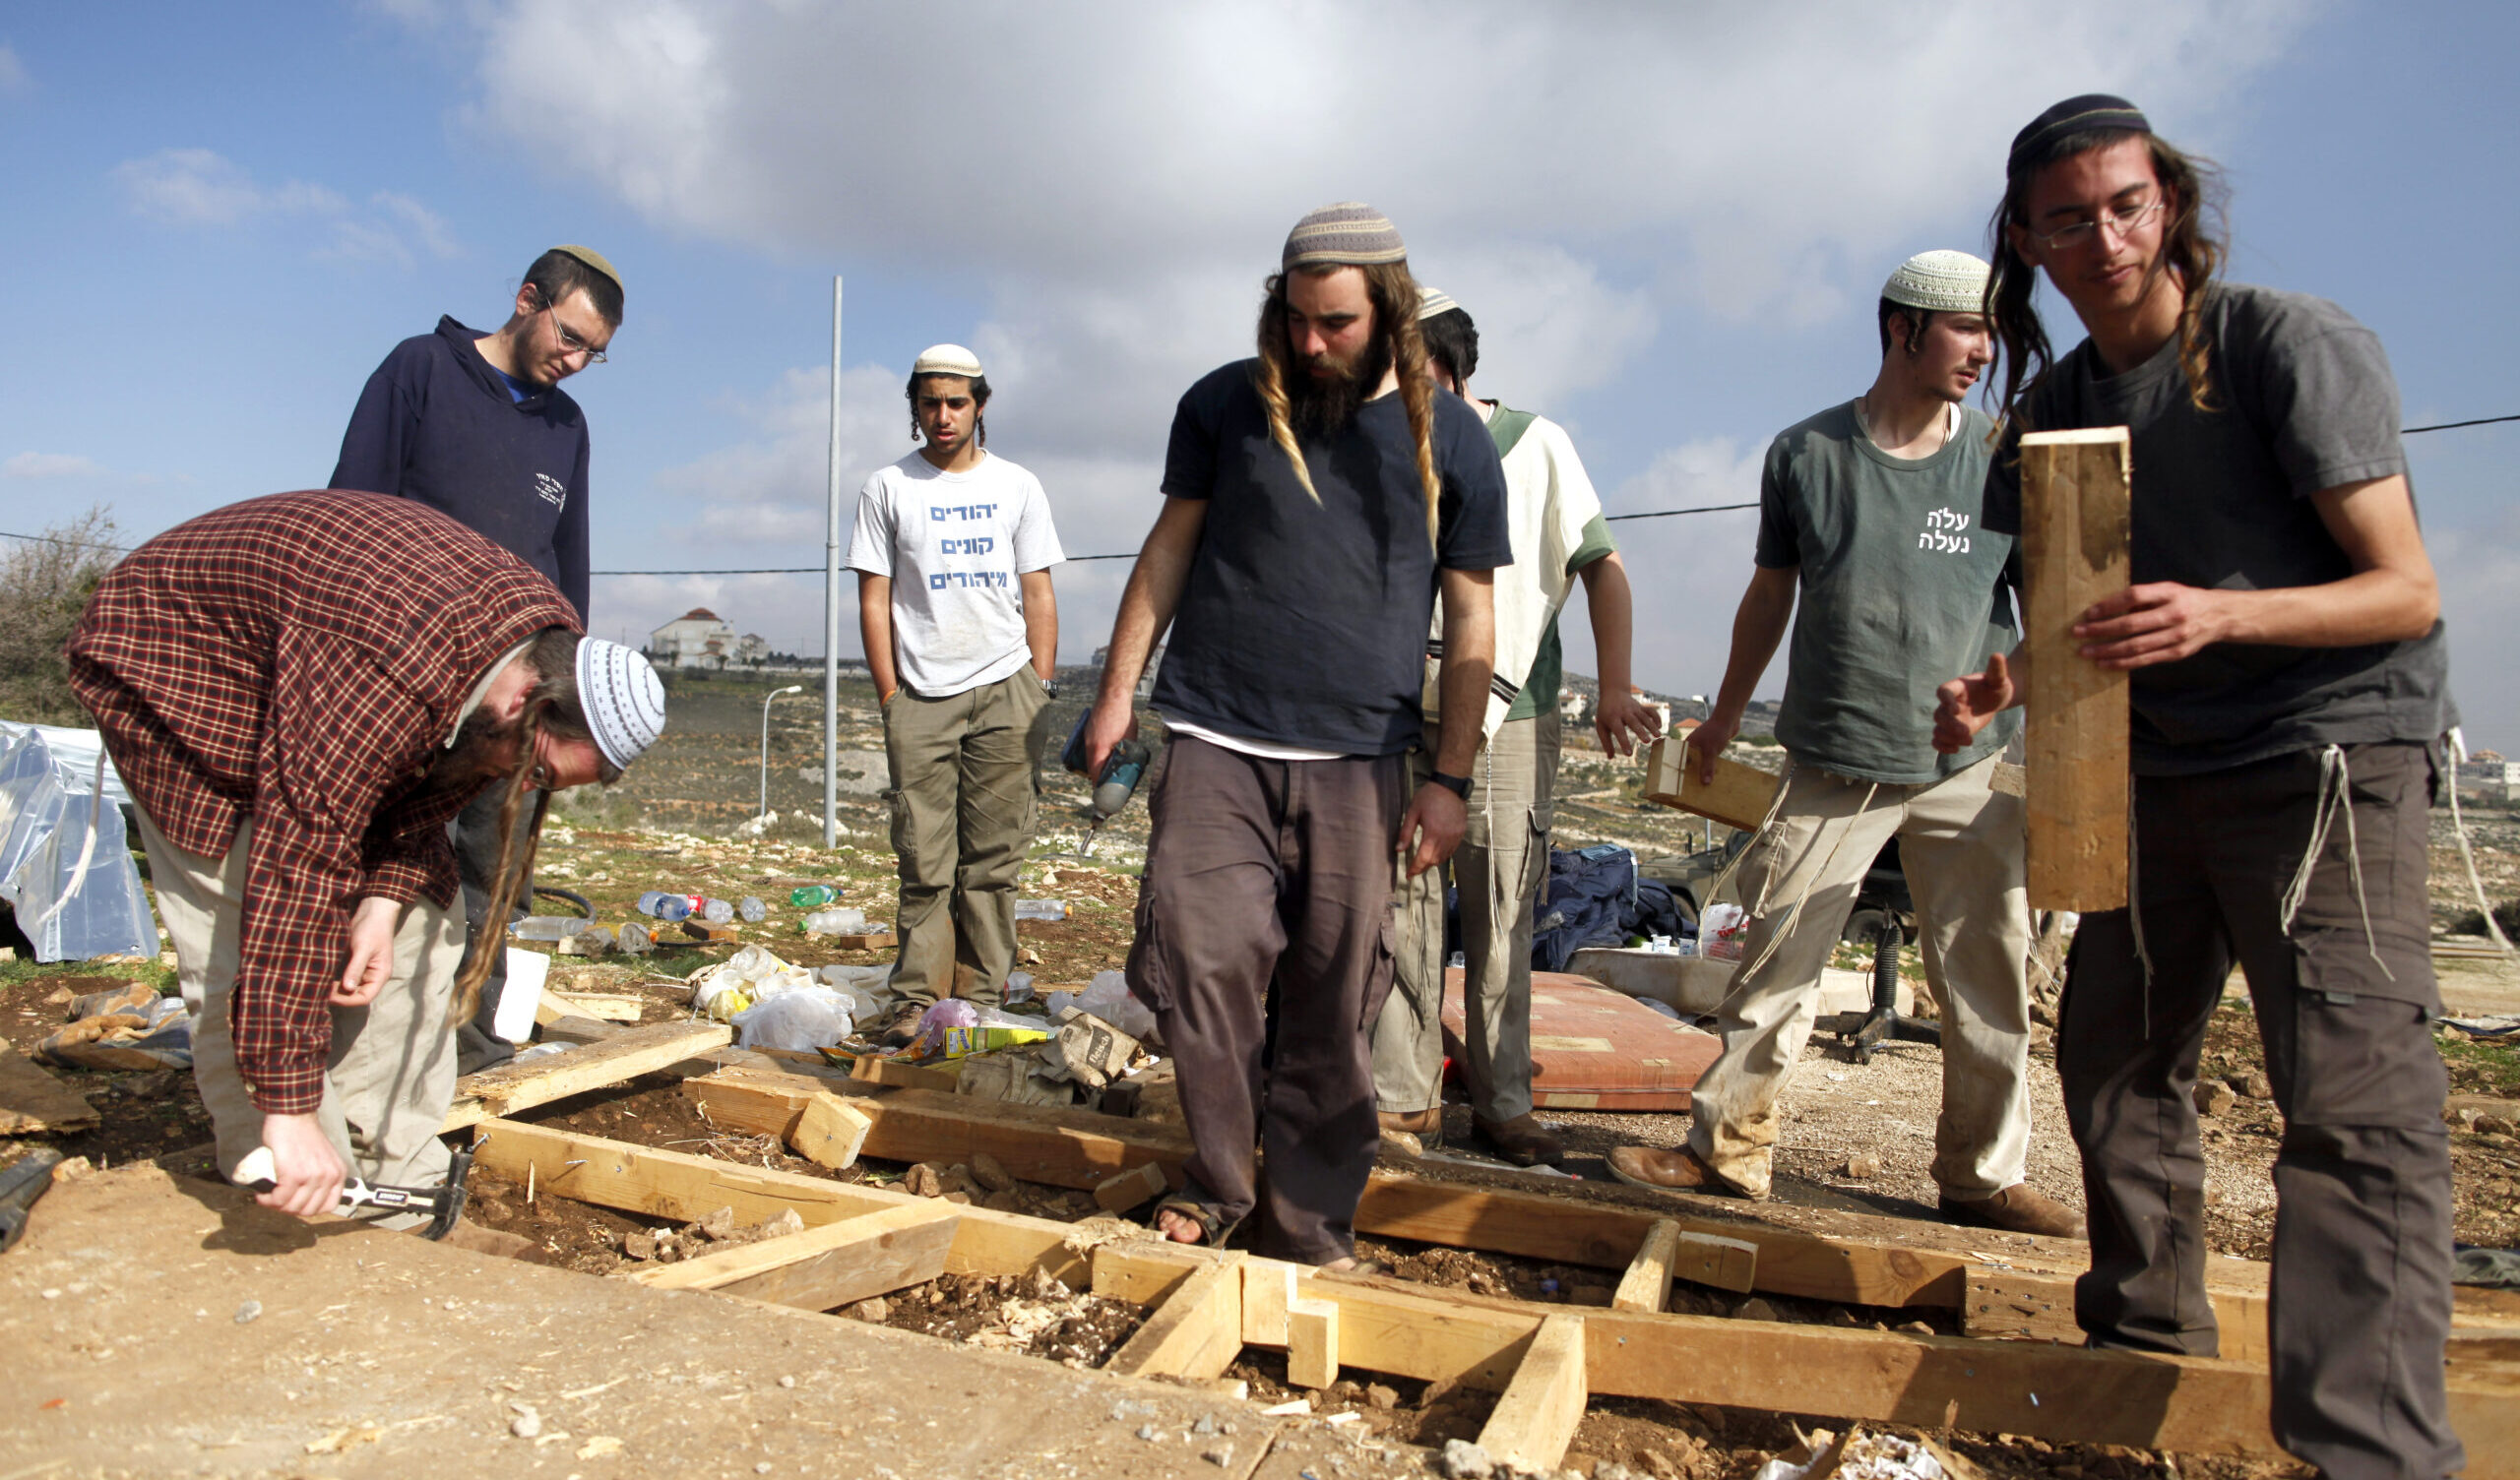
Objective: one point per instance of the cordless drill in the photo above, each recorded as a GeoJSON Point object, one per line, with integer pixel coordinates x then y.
{"type": "Point", "coordinates": [1118, 780]}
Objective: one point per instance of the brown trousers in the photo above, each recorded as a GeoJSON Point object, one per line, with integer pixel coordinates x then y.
{"type": "Point", "coordinates": [2360, 1290]}
{"type": "Point", "coordinates": [1264, 947]}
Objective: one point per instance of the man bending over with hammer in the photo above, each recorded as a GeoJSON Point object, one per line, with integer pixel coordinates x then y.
{"type": "Point", "coordinates": [298, 705]}
{"type": "Point", "coordinates": [1315, 498]}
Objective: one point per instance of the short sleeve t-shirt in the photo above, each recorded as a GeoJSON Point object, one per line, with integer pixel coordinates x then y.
{"type": "Point", "coordinates": [2303, 401]}
{"type": "Point", "coordinates": [1549, 665]}
{"type": "Point", "coordinates": [1901, 589]}
{"type": "Point", "coordinates": [1303, 623]}
{"type": "Point", "coordinates": [954, 545]}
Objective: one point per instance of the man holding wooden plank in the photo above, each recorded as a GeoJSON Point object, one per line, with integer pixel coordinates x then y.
{"type": "Point", "coordinates": [1869, 511]}
{"type": "Point", "coordinates": [2288, 683]}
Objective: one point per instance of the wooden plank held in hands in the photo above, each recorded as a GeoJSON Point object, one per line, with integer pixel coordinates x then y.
{"type": "Point", "coordinates": [2074, 546]}
{"type": "Point", "coordinates": [1738, 797]}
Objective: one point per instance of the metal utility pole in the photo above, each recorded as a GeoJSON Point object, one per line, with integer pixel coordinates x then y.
{"type": "Point", "coordinates": [832, 602]}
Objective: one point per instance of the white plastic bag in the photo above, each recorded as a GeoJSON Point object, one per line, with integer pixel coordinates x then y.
{"type": "Point", "coordinates": [801, 1019]}
{"type": "Point", "coordinates": [1108, 997]}
{"type": "Point", "coordinates": [750, 975]}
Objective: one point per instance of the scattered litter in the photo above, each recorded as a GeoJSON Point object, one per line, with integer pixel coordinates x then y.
{"type": "Point", "coordinates": [1287, 1410]}
{"type": "Point", "coordinates": [1040, 909]}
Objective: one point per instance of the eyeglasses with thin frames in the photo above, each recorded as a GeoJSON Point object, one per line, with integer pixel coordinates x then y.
{"type": "Point", "coordinates": [2123, 219]}
{"type": "Point", "coordinates": [569, 341]}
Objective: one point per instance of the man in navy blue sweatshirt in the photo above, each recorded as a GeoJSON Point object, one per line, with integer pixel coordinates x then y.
{"type": "Point", "coordinates": [476, 425]}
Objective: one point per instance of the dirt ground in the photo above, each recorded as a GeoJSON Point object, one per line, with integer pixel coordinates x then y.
{"type": "Point", "coordinates": [668, 828]}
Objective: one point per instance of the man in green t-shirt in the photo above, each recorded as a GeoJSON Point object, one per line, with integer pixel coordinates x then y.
{"type": "Point", "coordinates": [1869, 511]}
{"type": "Point", "coordinates": [1558, 534]}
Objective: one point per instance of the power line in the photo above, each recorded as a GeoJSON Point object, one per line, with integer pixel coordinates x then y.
{"type": "Point", "coordinates": [815, 570]}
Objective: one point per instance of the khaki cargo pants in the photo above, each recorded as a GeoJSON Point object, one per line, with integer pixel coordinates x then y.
{"type": "Point", "coordinates": [391, 1072]}
{"type": "Point", "coordinates": [964, 811]}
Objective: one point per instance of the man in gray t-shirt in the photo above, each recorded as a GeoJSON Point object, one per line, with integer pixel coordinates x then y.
{"type": "Point", "coordinates": [2289, 682]}
{"type": "Point", "coordinates": [1870, 512]}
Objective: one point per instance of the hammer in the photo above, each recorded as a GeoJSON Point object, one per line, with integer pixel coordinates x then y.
{"type": "Point", "coordinates": [445, 1202]}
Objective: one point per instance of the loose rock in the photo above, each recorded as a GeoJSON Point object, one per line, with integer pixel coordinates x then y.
{"type": "Point", "coordinates": [1219, 1456]}
{"type": "Point", "coordinates": [250, 1311]}
{"type": "Point", "coordinates": [717, 1225]}
{"type": "Point", "coordinates": [639, 1244]}
{"type": "Point", "coordinates": [2252, 1084]}
{"type": "Point", "coordinates": [1381, 1397]}
{"type": "Point", "coordinates": [926, 1180]}
{"type": "Point", "coordinates": [1863, 1166]}
{"type": "Point", "coordinates": [873, 1309]}
{"type": "Point", "coordinates": [2214, 1097]}
{"type": "Point", "coordinates": [990, 1174]}
{"type": "Point", "coordinates": [2493, 1125]}
{"type": "Point", "coordinates": [1464, 1460]}
{"type": "Point", "coordinates": [1754, 1308]}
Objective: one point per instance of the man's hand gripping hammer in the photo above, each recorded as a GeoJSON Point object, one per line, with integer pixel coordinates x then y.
{"type": "Point", "coordinates": [445, 1204]}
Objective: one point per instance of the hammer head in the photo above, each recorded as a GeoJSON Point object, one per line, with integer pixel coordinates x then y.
{"type": "Point", "coordinates": [446, 1203]}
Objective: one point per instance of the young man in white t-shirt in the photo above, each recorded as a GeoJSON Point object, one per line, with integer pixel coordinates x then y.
{"type": "Point", "coordinates": [953, 552]}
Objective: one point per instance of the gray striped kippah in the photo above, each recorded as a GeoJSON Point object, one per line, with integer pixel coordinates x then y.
{"type": "Point", "coordinates": [1350, 233]}
{"type": "Point", "coordinates": [624, 703]}
{"type": "Point", "coordinates": [1434, 300]}
{"type": "Point", "coordinates": [1948, 282]}
{"type": "Point", "coordinates": [2075, 116]}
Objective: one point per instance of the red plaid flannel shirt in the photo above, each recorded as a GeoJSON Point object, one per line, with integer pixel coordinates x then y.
{"type": "Point", "coordinates": [301, 658]}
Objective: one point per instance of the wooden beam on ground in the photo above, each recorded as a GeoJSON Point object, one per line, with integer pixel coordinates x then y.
{"type": "Point", "coordinates": [870, 1069]}
{"type": "Point", "coordinates": [668, 1184]}
{"type": "Point", "coordinates": [1712, 1258]}
{"type": "Point", "coordinates": [824, 1268]}
{"type": "Point", "coordinates": [34, 1103]}
{"type": "Point", "coordinates": [1738, 797]}
{"type": "Point", "coordinates": [1312, 1343]}
{"type": "Point", "coordinates": [830, 1132]}
{"type": "Point", "coordinates": [1646, 1284]}
{"type": "Point", "coordinates": [604, 1007]}
{"type": "Point", "coordinates": [1063, 1147]}
{"type": "Point", "coordinates": [1268, 1293]}
{"type": "Point", "coordinates": [1537, 1416]}
{"type": "Point", "coordinates": [2060, 1394]}
{"type": "Point", "coordinates": [2075, 545]}
{"type": "Point", "coordinates": [509, 1087]}
{"type": "Point", "coordinates": [1195, 1334]}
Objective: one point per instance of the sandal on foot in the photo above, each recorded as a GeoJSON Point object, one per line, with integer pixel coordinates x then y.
{"type": "Point", "coordinates": [1200, 1206]}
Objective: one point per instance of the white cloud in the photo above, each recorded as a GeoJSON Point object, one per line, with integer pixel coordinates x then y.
{"type": "Point", "coordinates": [200, 187]}
{"type": "Point", "coordinates": [13, 72]}
{"type": "Point", "coordinates": [50, 465]}
{"type": "Point", "coordinates": [1687, 571]}
{"type": "Point", "coordinates": [2479, 574]}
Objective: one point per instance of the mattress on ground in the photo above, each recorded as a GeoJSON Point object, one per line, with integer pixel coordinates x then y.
{"type": "Point", "coordinates": [1595, 1049]}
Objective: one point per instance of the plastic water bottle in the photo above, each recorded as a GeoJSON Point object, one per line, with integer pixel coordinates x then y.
{"type": "Point", "coordinates": [835, 922]}
{"type": "Point", "coordinates": [716, 911]}
{"type": "Point", "coordinates": [547, 927]}
{"type": "Point", "coordinates": [1040, 909]}
{"type": "Point", "coordinates": [752, 909]}
{"type": "Point", "coordinates": [812, 896]}
{"type": "Point", "coordinates": [664, 906]}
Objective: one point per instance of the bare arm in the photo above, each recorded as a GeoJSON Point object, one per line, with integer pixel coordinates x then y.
{"type": "Point", "coordinates": [1758, 625]}
{"type": "Point", "coordinates": [1042, 623]}
{"type": "Point", "coordinates": [875, 632]}
{"type": "Point", "coordinates": [1437, 816]}
{"type": "Point", "coordinates": [1145, 610]}
{"type": "Point", "coordinates": [1620, 721]}
{"type": "Point", "coordinates": [2390, 597]}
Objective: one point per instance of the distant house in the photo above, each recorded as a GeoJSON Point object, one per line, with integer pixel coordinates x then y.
{"type": "Point", "coordinates": [698, 639]}
{"type": "Point", "coordinates": [752, 649]}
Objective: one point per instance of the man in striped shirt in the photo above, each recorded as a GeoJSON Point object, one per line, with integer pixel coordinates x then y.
{"type": "Point", "coordinates": [297, 707]}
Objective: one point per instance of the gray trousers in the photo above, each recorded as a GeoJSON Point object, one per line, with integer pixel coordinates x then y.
{"type": "Point", "coordinates": [2360, 1295]}
{"type": "Point", "coordinates": [1499, 868]}
{"type": "Point", "coordinates": [1264, 947]}
{"type": "Point", "coordinates": [391, 1072]}
{"type": "Point", "coordinates": [964, 809]}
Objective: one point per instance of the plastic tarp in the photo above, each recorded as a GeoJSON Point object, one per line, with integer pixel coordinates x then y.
{"type": "Point", "coordinates": [46, 807]}
{"type": "Point", "coordinates": [73, 754]}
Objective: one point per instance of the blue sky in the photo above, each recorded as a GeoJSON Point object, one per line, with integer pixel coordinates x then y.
{"type": "Point", "coordinates": [1670, 222]}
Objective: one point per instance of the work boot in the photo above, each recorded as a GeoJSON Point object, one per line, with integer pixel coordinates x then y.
{"type": "Point", "coordinates": [1523, 1141]}
{"type": "Point", "coordinates": [900, 1025]}
{"type": "Point", "coordinates": [1424, 1129]}
{"type": "Point", "coordinates": [1677, 1171]}
{"type": "Point", "coordinates": [2018, 1208]}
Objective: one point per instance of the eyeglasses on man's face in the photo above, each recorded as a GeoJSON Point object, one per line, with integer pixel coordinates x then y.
{"type": "Point", "coordinates": [2122, 219]}
{"type": "Point", "coordinates": [570, 342]}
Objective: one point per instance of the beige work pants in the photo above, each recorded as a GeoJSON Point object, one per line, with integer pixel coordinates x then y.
{"type": "Point", "coordinates": [1960, 844]}
{"type": "Point", "coordinates": [1499, 867]}
{"type": "Point", "coordinates": [391, 1072]}
{"type": "Point", "coordinates": [964, 811]}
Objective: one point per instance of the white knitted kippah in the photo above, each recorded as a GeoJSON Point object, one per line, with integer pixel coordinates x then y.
{"type": "Point", "coordinates": [947, 359]}
{"type": "Point", "coordinates": [1951, 282]}
{"type": "Point", "coordinates": [625, 701]}
{"type": "Point", "coordinates": [1434, 300]}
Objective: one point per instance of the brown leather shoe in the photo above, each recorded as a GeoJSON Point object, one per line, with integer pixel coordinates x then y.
{"type": "Point", "coordinates": [2018, 1208]}
{"type": "Point", "coordinates": [1678, 1171]}
{"type": "Point", "coordinates": [1523, 1141]}
{"type": "Point", "coordinates": [1425, 1127]}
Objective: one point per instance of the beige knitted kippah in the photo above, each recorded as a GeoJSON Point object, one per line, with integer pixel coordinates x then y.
{"type": "Point", "coordinates": [1950, 282]}
{"type": "Point", "coordinates": [1434, 300]}
{"type": "Point", "coordinates": [1350, 233]}
{"type": "Point", "coordinates": [593, 258]}
{"type": "Point", "coordinates": [947, 359]}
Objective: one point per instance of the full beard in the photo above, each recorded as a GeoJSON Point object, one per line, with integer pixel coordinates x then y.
{"type": "Point", "coordinates": [1321, 405]}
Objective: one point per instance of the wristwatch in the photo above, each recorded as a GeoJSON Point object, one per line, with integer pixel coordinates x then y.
{"type": "Point", "coordinates": [1457, 785]}
{"type": "Point", "coordinates": [1049, 686]}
